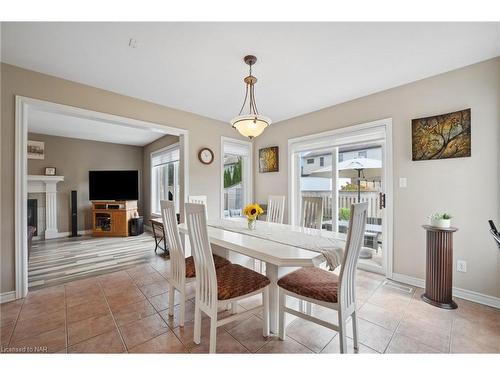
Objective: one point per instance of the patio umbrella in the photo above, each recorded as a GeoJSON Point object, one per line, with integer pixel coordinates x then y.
{"type": "Point", "coordinates": [353, 168]}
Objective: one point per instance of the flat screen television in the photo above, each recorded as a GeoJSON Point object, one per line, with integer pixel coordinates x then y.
{"type": "Point", "coordinates": [113, 185]}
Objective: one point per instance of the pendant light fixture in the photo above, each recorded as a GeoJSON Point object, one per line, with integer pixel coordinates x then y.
{"type": "Point", "coordinates": [252, 124]}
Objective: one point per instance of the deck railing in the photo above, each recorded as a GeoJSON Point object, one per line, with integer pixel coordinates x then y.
{"type": "Point", "coordinates": [346, 198]}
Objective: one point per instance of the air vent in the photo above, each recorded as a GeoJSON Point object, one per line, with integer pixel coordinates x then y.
{"type": "Point", "coordinates": [403, 288]}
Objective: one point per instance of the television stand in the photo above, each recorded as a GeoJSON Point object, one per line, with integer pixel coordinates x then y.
{"type": "Point", "coordinates": [111, 218]}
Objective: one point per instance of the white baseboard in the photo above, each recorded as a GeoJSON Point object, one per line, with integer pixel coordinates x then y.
{"type": "Point", "coordinates": [7, 296]}
{"type": "Point", "coordinates": [469, 295]}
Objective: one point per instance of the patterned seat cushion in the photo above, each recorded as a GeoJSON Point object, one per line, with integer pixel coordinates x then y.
{"type": "Point", "coordinates": [235, 281]}
{"type": "Point", "coordinates": [313, 283]}
{"type": "Point", "coordinates": [191, 272]}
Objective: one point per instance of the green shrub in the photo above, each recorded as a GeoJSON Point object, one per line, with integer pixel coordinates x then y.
{"type": "Point", "coordinates": [344, 213]}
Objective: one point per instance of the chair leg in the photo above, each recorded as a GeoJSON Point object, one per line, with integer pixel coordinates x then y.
{"type": "Point", "coordinates": [171, 297]}
{"type": "Point", "coordinates": [342, 336]}
{"type": "Point", "coordinates": [197, 324]}
{"type": "Point", "coordinates": [355, 331]}
{"type": "Point", "coordinates": [281, 318]}
{"type": "Point", "coordinates": [182, 309]}
{"type": "Point", "coordinates": [265, 315]}
{"type": "Point", "coordinates": [213, 335]}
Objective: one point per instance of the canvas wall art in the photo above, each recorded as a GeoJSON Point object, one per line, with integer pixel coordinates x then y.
{"type": "Point", "coordinates": [442, 136]}
{"type": "Point", "coordinates": [36, 150]}
{"type": "Point", "coordinates": [269, 159]}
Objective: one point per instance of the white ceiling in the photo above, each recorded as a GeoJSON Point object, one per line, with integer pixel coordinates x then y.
{"type": "Point", "coordinates": [61, 125]}
{"type": "Point", "coordinates": [198, 67]}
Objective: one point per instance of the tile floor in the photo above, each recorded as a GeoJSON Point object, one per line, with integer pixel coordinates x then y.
{"type": "Point", "coordinates": [127, 311]}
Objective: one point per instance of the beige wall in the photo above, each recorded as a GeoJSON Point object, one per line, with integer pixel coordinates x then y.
{"type": "Point", "coordinates": [467, 187]}
{"type": "Point", "coordinates": [74, 158]}
{"type": "Point", "coordinates": [164, 141]}
{"type": "Point", "coordinates": [203, 132]}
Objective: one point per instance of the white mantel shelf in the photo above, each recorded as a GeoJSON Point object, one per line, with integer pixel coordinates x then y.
{"type": "Point", "coordinates": [48, 186]}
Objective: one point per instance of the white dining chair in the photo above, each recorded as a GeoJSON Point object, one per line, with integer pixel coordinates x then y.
{"type": "Point", "coordinates": [312, 212]}
{"type": "Point", "coordinates": [317, 286]}
{"type": "Point", "coordinates": [275, 209]}
{"type": "Point", "coordinates": [182, 269]}
{"type": "Point", "coordinates": [199, 199]}
{"type": "Point", "coordinates": [217, 287]}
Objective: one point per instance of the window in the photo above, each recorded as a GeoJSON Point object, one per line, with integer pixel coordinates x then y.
{"type": "Point", "coordinates": [362, 154]}
{"type": "Point", "coordinates": [236, 177]}
{"type": "Point", "coordinates": [321, 161]}
{"type": "Point", "coordinates": [310, 161]}
{"type": "Point", "coordinates": [165, 177]}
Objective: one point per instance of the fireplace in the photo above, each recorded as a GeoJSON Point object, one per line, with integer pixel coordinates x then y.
{"type": "Point", "coordinates": [33, 214]}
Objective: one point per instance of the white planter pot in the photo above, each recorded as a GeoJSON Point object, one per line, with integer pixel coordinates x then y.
{"type": "Point", "coordinates": [441, 223]}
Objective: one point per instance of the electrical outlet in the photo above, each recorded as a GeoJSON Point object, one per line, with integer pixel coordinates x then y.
{"type": "Point", "coordinates": [402, 182]}
{"type": "Point", "coordinates": [461, 266]}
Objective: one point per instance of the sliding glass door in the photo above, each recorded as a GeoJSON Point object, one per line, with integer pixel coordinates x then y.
{"type": "Point", "coordinates": [343, 168]}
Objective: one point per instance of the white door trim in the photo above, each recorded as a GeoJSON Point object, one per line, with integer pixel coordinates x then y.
{"type": "Point", "coordinates": [374, 130]}
{"type": "Point", "coordinates": [248, 171]}
{"type": "Point", "coordinates": [23, 105]}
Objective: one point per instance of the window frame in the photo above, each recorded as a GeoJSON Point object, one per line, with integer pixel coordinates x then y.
{"type": "Point", "coordinates": [247, 172]}
{"type": "Point", "coordinates": [177, 181]}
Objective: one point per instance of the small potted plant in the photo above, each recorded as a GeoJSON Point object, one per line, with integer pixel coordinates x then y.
{"type": "Point", "coordinates": [252, 212]}
{"type": "Point", "coordinates": [441, 220]}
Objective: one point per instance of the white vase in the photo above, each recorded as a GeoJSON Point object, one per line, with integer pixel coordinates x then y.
{"type": "Point", "coordinates": [441, 223]}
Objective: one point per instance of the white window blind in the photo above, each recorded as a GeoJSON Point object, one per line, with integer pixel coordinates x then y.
{"type": "Point", "coordinates": [164, 157]}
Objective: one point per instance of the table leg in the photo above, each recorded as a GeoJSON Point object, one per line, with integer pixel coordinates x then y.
{"type": "Point", "coordinates": [272, 274]}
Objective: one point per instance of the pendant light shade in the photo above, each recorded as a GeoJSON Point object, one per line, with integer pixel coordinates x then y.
{"type": "Point", "coordinates": [252, 124]}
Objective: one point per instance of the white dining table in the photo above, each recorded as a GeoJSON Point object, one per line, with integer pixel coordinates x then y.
{"type": "Point", "coordinates": [276, 250]}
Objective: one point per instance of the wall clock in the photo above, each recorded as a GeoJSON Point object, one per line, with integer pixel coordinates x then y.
{"type": "Point", "coordinates": [206, 156]}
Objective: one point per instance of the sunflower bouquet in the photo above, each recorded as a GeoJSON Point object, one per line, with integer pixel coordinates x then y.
{"type": "Point", "coordinates": [252, 212]}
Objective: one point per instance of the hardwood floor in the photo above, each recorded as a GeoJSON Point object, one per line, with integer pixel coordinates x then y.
{"type": "Point", "coordinates": [60, 261]}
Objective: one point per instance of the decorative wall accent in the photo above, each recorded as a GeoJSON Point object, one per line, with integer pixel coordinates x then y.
{"type": "Point", "coordinates": [36, 150]}
{"type": "Point", "coordinates": [269, 159]}
{"type": "Point", "coordinates": [442, 137]}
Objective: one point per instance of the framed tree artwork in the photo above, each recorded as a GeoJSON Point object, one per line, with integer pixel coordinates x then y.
{"type": "Point", "coordinates": [269, 159]}
{"type": "Point", "coordinates": [442, 136]}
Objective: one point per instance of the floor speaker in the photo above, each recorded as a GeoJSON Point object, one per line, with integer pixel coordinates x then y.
{"type": "Point", "coordinates": [74, 214]}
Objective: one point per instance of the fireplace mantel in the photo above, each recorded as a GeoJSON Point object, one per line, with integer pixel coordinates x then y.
{"type": "Point", "coordinates": [48, 186]}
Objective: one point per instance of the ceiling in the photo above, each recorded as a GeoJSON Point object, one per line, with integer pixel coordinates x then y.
{"type": "Point", "coordinates": [198, 67]}
{"type": "Point", "coordinates": [61, 125]}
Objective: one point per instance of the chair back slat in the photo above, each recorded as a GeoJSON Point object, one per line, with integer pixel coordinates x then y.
{"type": "Point", "coordinates": [312, 212]}
{"type": "Point", "coordinates": [275, 209]}
{"type": "Point", "coordinates": [355, 236]}
{"type": "Point", "coordinates": [198, 199]}
{"type": "Point", "coordinates": [206, 280]}
{"type": "Point", "coordinates": [173, 240]}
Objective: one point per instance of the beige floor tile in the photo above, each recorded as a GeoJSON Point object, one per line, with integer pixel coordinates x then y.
{"type": "Point", "coordinates": [126, 314]}
{"type": "Point", "coordinates": [46, 342]}
{"type": "Point", "coordinates": [43, 323]}
{"type": "Point", "coordinates": [6, 333]}
{"type": "Point", "coordinates": [91, 295]}
{"type": "Point", "coordinates": [249, 334]}
{"type": "Point", "coordinates": [390, 298]}
{"type": "Point", "coordinates": [45, 294]}
{"type": "Point", "coordinates": [90, 327]}
{"type": "Point", "coordinates": [477, 336]}
{"type": "Point", "coordinates": [173, 321]}
{"type": "Point", "coordinates": [185, 334]}
{"type": "Point", "coordinates": [289, 346]}
{"type": "Point", "coordinates": [333, 347]}
{"type": "Point", "coordinates": [386, 318]}
{"type": "Point", "coordinates": [165, 343]}
{"type": "Point", "coordinates": [160, 302]}
{"type": "Point", "coordinates": [9, 312]}
{"type": "Point", "coordinates": [155, 289]}
{"type": "Point", "coordinates": [86, 310]}
{"type": "Point", "coordinates": [35, 307]}
{"type": "Point", "coordinates": [109, 342]}
{"type": "Point", "coordinates": [407, 345]}
{"type": "Point", "coordinates": [225, 344]}
{"type": "Point", "coordinates": [140, 270]}
{"type": "Point", "coordinates": [427, 331]}
{"type": "Point", "coordinates": [126, 297]}
{"type": "Point", "coordinates": [143, 330]}
{"type": "Point", "coordinates": [148, 279]}
{"type": "Point", "coordinates": [371, 335]}
{"type": "Point", "coordinates": [83, 286]}
{"type": "Point", "coordinates": [312, 335]}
